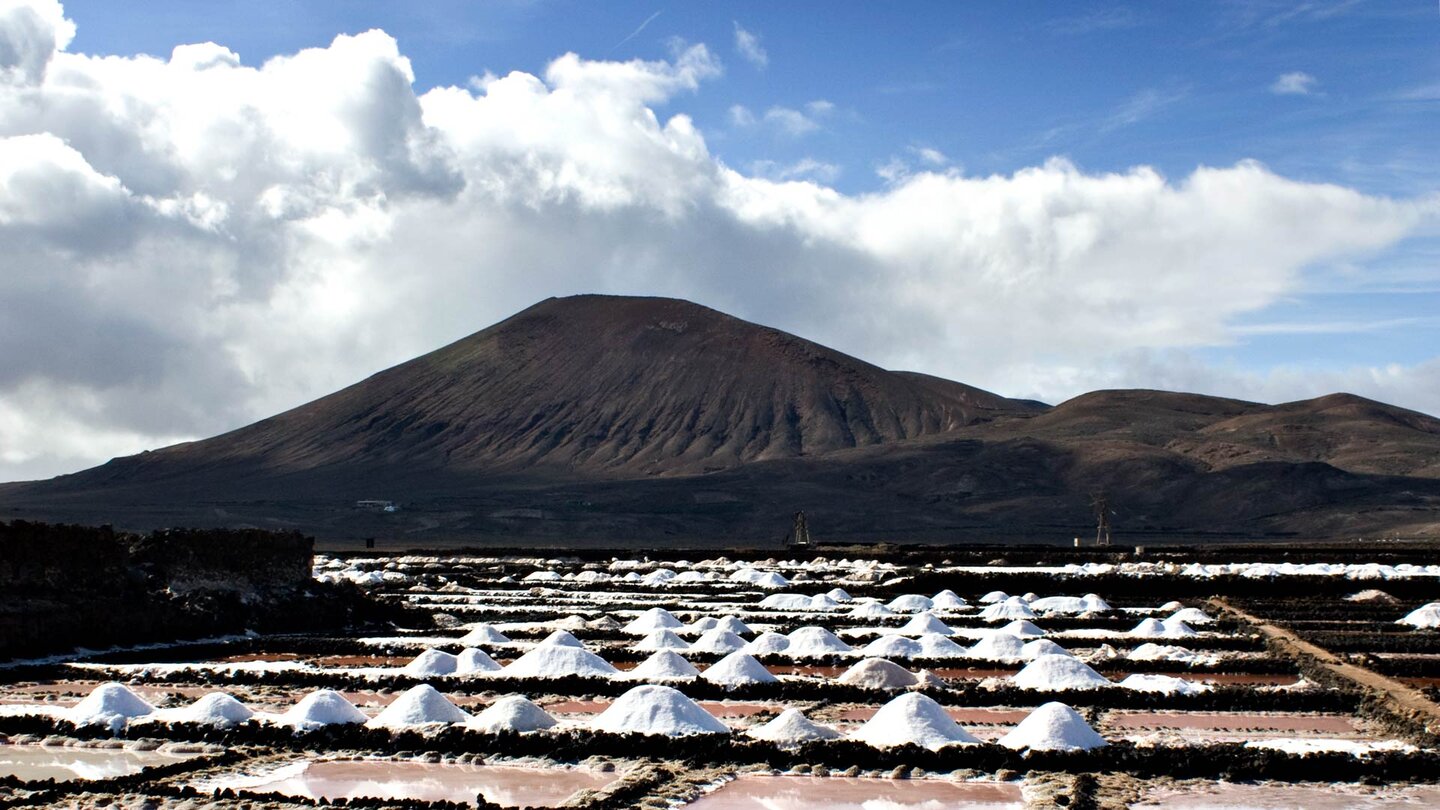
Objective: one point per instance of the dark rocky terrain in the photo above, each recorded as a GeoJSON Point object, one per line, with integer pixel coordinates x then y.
{"type": "Point", "coordinates": [643, 420]}
{"type": "Point", "coordinates": [63, 587]}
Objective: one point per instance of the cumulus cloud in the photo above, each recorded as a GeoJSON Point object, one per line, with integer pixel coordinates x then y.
{"type": "Point", "coordinates": [748, 46]}
{"type": "Point", "coordinates": [194, 242]}
{"type": "Point", "coordinates": [1297, 83]}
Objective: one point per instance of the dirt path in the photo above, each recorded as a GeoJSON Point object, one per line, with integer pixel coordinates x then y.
{"type": "Point", "coordinates": [1407, 701]}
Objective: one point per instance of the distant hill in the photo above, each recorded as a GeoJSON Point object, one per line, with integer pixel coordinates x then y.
{"type": "Point", "coordinates": [616, 419]}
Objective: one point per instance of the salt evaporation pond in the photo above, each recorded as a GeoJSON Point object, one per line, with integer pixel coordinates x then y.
{"type": "Point", "coordinates": [506, 785]}
{"type": "Point", "coordinates": [1278, 796]}
{"type": "Point", "coordinates": [750, 792]}
{"type": "Point", "coordinates": [34, 762]}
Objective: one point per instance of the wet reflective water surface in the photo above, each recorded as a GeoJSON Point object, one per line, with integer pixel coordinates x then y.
{"type": "Point", "coordinates": [844, 793]}
{"type": "Point", "coordinates": [508, 785]}
{"type": "Point", "coordinates": [32, 762]}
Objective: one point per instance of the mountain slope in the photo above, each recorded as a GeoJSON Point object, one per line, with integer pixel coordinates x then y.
{"type": "Point", "coordinates": [650, 421]}
{"type": "Point", "coordinates": [596, 385]}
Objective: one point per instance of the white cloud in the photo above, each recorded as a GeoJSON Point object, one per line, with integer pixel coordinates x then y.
{"type": "Point", "coordinates": [193, 243]}
{"type": "Point", "coordinates": [930, 155]}
{"type": "Point", "coordinates": [786, 121]}
{"type": "Point", "coordinates": [1297, 83]}
{"type": "Point", "coordinates": [748, 46]}
{"type": "Point", "coordinates": [30, 31]}
{"type": "Point", "coordinates": [803, 169]}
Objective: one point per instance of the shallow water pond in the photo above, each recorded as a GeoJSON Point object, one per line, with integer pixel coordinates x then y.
{"type": "Point", "coordinates": [511, 786]}
{"type": "Point", "coordinates": [1223, 796]}
{"type": "Point", "coordinates": [845, 793]}
{"type": "Point", "coordinates": [33, 762]}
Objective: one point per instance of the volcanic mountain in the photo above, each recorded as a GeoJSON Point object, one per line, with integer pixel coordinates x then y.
{"type": "Point", "coordinates": [614, 419]}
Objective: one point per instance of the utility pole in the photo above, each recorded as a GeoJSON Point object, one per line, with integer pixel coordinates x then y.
{"type": "Point", "coordinates": [1101, 506]}
{"type": "Point", "coordinates": [799, 536]}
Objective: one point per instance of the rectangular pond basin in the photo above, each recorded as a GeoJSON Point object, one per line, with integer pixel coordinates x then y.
{"type": "Point", "coordinates": [506, 785]}
{"type": "Point", "coordinates": [64, 764]}
{"type": "Point", "coordinates": [763, 792]}
{"type": "Point", "coordinates": [1279, 796]}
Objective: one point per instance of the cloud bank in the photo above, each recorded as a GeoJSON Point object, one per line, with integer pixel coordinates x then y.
{"type": "Point", "coordinates": [193, 242]}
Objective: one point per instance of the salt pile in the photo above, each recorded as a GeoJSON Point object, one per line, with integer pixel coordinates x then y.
{"type": "Point", "coordinates": [737, 669]}
{"type": "Point", "coordinates": [471, 660]}
{"type": "Point", "coordinates": [652, 620]}
{"type": "Point", "coordinates": [718, 640]}
{"type": "Point", "coordinates": [822, 602]}
{"type": "Point", "coordinates": [1011, 608]}
{"type": "Point", "coordinates": [1094, 604]}
{"type": "Point", "coordinates": [1171, 606]}
{"type": "Point", "coordinates": [1423, 617]}
{"type": "Point", "coordinates": [214, 709]}
{"type": "Point", "coordinates": [484, 634]}
{"type": "Point", "coordinates": [792, 728]}
{"type": "Point", "coordinates": [657, 710]}
{"type": "Point", "coordinates": [572, 622]}
{"type": "Point", "coordinates": [786, 601]}
{"type": "Point", "coordinates": [839, 595]}
{"type": "Point", "coordinates": [870, 610]}
{"type": "Point", "coordinates": [1149, 628]}
{"type": "Point", "coordinates": [559, 662]}
{"type": "Point", "coordinates": [1042, 646]}
{"type": "Point", "coordinates": [948, 600]}
{"type": "Point", "coordinates": [561, 638]}
{"type": "Point", "coordinates": [767, 644]}
{"type": "Point", "coordinates": [993, 597]}
{"type": "Point", "coordinates": [419, 706]}
{"type": "Point", "coordinates": [1190, 616]}
{"type": "Point", "coordinates": [925, 679]}
{"type": "Point", "coordinates": [998, 647]}
{"type": "Point", "coordinates": [1164, 684]}
{"type": "Point", "coordinates": [925, 623]}
{"type": "Point", "coordinates": [1053, 727]}
{"type": "Point", "coordinates": [701, 625]}
{"type": "Point", "coordinates": [1065, 605]}
{"type": "Point", "coordinates": [1058, 672]}
{"type": "Point", "coordinates": [1166, 652]}
{"type": "Point", "coordinates": [1023, 629]}
{"type": "Point", "coordinates": [934, 645]}
{"type": "Point", "coordinates": [911, 603]}
{"type": "Point", "coordinates": [323, 707]}
{"type": "Point", "coordinates": [878, 673]}
{"type": "Point", "coordinates": [912, 719]}
{"type": "Point", "coordinates": [512, 713]}
{"type": "Point", "coordinates": [665, 665]}
{"type": "Point", "coordinates": [892, 647]}
{"type": "Point", "coordinates": [815, 641]}
{"type": "Point", "coordinates": [733, 625]}
{"type": "Point", "coordinates": [1372, 596]}
{"type": "Point", "coordinates": [431, 664]}
{"type": "Point", "coordinates": [661, 640]}
{"type": "Point", "coordinates": [110, 704]}
{"type": "Point", "coordinates": [1175, 628]}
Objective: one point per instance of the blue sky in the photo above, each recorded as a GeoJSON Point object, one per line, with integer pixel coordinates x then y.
{"type": "Point", "coordinates": [1038, 198]}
